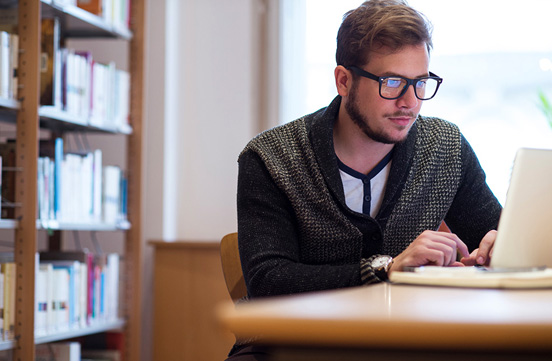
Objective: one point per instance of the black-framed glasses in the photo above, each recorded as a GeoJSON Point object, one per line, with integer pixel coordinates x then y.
{"type": "Point", "coordinates": [394, 87]}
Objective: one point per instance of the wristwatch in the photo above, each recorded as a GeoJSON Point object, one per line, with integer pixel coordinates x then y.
{"type": "Point", "coordinates": [381, 265]}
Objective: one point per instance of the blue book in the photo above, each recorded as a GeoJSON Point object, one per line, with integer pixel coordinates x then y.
{"type": "Point", "coordinates": [58, 159]}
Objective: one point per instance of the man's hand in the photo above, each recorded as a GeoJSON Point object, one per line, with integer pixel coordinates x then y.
{"type": "Point", "coordinates": [482, 255]}
{"type": "Point", "coordinates": [431, 248]}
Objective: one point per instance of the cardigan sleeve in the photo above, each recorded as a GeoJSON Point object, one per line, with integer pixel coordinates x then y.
{"type": "Point", "coordinates": [269, 243]}
{"type": "Point", "coordinates": [475, 209]}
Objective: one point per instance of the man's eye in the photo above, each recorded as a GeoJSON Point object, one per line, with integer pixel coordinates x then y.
{"type": "Point", "coordinates": [393, 83]}
{"type": "Point", "coordinates": [421, 83]}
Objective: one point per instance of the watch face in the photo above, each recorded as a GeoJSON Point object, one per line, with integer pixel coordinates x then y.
{"type": "Point", "coordinates": [381, 261]}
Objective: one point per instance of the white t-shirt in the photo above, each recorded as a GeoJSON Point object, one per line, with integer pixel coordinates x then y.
{"type": "Point", "coordinates": [364, 192]}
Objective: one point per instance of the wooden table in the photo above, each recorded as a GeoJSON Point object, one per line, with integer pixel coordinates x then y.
{"type": "Point", "coordinates": [399, 322]}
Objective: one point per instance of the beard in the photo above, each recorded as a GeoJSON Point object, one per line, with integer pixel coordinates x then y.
{"type": "Point", "coordinates": [361, 121]}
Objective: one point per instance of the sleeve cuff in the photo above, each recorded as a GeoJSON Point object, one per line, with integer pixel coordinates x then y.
{"type": "Point", "coordinates": [367, 275]}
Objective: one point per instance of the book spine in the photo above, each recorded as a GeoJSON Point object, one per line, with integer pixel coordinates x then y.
{"type": "Point", "coordinates": [8, 269]}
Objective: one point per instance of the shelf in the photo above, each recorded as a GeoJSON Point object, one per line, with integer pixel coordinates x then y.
{"type": "Point", "coordinates": [71, 226]}
{"type": "Point", "coordinates": [8, 224]}
{"type": "Point", "coordinates": [11, 104]}
{"type": "Point", "coordinates": [58, 336]}
{"type": "Point", "coordinates": [56, 119]}
{"type": "Point", "coordinates": [80, 23]}
{"type": "Point", "coordinates": [7, 345]}
{"type": "Point", "coordinates": [89, 330]}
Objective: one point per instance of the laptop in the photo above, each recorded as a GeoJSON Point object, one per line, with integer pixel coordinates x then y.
{"type": "Point", "coordinates": [522, 255]}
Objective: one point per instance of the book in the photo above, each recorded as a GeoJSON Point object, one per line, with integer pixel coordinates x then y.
{"type": "Point", "coordinates": [49, 50]}
{"type": "Point", "coordinates": [112, 287]}
{"type": "Point", "coordinates": [60, 288]}
{"type": "Point", "coordinates": [5, 65]}
{"type": "Point", "coordinates": [85, 61]}
{"type": "Point", "coordinates": [14, 85]}
{"type": "Point", "coordinates": [86, 294]}
{"type": "Point", "coordinates": [103, 355]}
{"type": "Point", "coordinates": [111, 196]}
{"type": "Point", "coordinates": [9, 272]}
{"type": "Point", "coordinates": [97, 193]}
{"type": "Point", "coordinates": [58, 351]}
{"type": "Point", "coordinates": [42, 300]}
{"type": "Point", "coordinates": [92, 6]}
{"type": "Point", "coordinates": [7, 153]}
{"type": "Point", "coordinates": [58, 160]}
{"type": "Point", "coordinates": [72, 318]}
{"type": "Point", "coordinates": [1, 306]}
{"type": "Point", "coordinates": [474, 277]}
{"type": "Point", "coordinates": [0, 180]}
{"type": "Point", "coordinates": [121, 103]}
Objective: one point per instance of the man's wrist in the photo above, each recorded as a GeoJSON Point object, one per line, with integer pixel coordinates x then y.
{"type": "Point", "coordinates": [381, 264]}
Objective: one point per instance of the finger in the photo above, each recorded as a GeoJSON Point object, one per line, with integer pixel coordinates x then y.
{"type": "Point", "coordinates": [455, 244]}
{"type": "Point", "coordinates": [460, 246]}
{"type": "Point", "coordinates": [444, 242]}
{"type": "Point", "coordinates": [470, 261]}
{"type": "Point", "coordinates": [434, 258]}
{"type": "Point", "coordinates": [485, 248]}
{"type": "Point", "coordinates": [448, 251]}
{"type": "Point", "coordinates": [457, 264]}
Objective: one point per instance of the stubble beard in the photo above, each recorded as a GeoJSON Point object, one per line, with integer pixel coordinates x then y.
{"type": "Point", "coordinates": [361, 121]}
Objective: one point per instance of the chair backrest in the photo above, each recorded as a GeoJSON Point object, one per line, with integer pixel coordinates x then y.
{"type": "Point", "coordinates": [231, 266]}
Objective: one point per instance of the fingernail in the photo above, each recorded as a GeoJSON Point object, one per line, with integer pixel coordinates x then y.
{"type": "Point", "coordinates": [480, 260]}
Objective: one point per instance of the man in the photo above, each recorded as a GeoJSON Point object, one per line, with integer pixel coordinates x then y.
{"type": "Point", "coordinates": [346, 195]}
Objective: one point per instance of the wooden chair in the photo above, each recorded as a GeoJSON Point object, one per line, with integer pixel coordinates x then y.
{"type": "Point", "coordinates": [231, 266]}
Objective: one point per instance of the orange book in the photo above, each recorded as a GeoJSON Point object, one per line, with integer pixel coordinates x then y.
{"type": "Point", "coordinates": [93, 6]}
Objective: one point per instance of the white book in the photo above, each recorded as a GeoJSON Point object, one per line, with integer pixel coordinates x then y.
{"type": "Point", "coordinates": [70, 192]}
{"type": "Point", "coordinates": [86, 184]}
{"type": "Point", "coordinates": [14, 65]}
{"type": "Point", "coordinates": [41, 309]}
{"type": "Point", "coordinates": [122, 104]}
{"type": "Point", "coordinates": [60, 60]}
{"type": "Point", "coordinates": [61, 299]}
{"type": "Point", "coordinates": [72, 76]}
{"type": "Point", "coordinates": [83, 86]}
{"type": "Point", "coordinates": [5, 77]}
{"type": "Point", "coordinates": [110, 121]}
{"type": "Point", "coordinates": [112, 287]}
{"type": "Point", "coordinates": [97, 186]}
{"type": "Point", "coordinates": [99, 95]}
{"type": "Point", "coordinates": [48, 271]}
{"type": "Point", "coordinates": [111, 187]}
{"type": "Point", "coordinates": [58, 351]}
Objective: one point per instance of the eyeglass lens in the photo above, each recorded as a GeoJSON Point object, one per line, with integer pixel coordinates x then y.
{"type": "Point", "coordinates": [425, 88]}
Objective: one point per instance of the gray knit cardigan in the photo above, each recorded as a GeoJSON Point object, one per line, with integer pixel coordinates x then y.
{"type": "Point", "coordinates": [296, 233]}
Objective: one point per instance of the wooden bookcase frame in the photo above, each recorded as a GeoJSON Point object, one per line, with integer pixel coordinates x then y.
{"type": "Point", "coordinates": [28, 125]}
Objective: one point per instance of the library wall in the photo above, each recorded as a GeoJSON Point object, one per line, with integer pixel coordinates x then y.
{"type": "Point", "coordinates": [210, 109]}
{"type": "Point", "coordinates": [202, 106]}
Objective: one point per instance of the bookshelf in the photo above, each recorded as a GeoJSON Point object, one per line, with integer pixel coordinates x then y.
{"type": "Point", "coordinates": [29, 119]}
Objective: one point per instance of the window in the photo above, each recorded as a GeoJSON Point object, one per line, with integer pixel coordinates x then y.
{"type": "Point", "coordinates": [495, 57]}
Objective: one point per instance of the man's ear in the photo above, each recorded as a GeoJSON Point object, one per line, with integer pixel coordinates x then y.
{"type": "Point", "coordinates": [343, 80]}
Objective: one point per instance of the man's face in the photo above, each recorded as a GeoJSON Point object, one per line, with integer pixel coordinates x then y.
{"type": "Point", "coordinates": [382, 120]}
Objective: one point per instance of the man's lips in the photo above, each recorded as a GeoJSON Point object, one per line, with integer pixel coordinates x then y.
{"type": "Point", "coordinates": [401, 120]}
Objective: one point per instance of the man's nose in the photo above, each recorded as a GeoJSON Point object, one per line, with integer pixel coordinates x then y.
{"type": "Point", "coordinates": [409, 99]}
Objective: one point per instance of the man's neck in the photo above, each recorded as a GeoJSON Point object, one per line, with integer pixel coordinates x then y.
{"type": "Point", "coordinates": [356, 149]}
